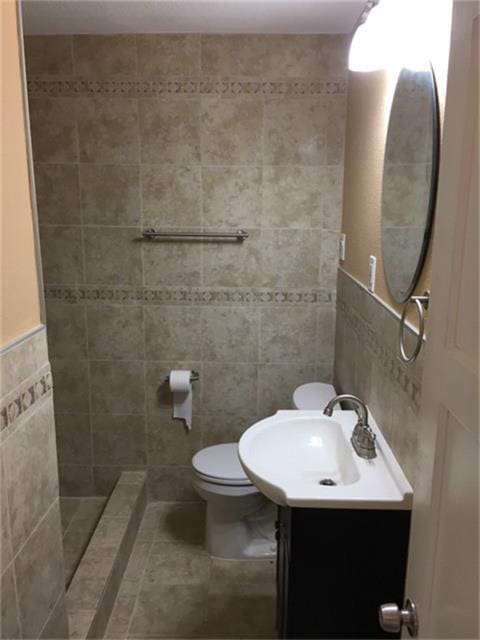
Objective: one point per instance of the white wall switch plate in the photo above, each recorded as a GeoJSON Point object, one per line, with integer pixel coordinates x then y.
{"type": "Point", "coordinates": [341, 246]}
{"type": "Point", "coordinates": [372, 272]}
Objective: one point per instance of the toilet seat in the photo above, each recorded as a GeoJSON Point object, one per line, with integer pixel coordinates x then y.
{"type": "Point", "coordinates": [220, 464]}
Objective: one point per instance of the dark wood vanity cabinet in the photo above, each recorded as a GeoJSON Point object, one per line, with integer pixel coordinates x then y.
{"type": "Point", "coordinates": [335, 567]}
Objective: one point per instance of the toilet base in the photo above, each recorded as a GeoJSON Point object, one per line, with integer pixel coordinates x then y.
{"type": "Point", "coordinates": [240, 522]}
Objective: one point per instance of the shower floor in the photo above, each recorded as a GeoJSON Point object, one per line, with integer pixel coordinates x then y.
{"type": "Point", "coordinates": [79, 519]}
{"type": "Point", "coordinates": [173, 589]}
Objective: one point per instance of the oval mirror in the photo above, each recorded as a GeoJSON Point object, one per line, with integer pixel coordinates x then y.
{"type": "Point", "coordinates": [409, 187]}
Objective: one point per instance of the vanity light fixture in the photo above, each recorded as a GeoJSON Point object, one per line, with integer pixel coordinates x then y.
{"type": "Point", "coordinates": [392, 34]}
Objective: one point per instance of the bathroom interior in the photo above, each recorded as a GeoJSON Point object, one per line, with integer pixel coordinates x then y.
{"type": "Point", "coordinates": [239, 319]}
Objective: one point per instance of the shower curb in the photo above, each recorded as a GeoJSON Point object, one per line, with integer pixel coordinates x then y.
{"type": "Point", "coordinates": [94, 587]}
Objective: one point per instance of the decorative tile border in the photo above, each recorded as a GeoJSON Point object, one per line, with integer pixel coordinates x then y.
{"type": "Point", "coordinates": [188, 295]}
{"type": "Point", "coordinates": [22, 399]}
{"type": "Point", "coordinates": [184, 87]}
{"type": "Point", "coordinates": [383, 355]}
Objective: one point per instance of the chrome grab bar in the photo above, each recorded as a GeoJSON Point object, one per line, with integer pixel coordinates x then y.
{"type": "Point", "coordinates": [421, 303]}
{"type": "Point", "coordinates": [239, 235]}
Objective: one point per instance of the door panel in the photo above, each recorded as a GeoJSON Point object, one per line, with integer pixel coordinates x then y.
{"type": "Point", "coordinates": [443, 561]}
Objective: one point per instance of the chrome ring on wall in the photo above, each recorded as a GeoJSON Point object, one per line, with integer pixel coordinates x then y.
{"type": "Point", "coordinates": [421, 303]}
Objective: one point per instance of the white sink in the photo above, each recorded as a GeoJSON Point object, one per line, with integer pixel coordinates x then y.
{"type": "Point", "coordinates": [289, 454]}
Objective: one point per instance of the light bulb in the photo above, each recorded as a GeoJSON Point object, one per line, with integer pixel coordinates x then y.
{"type": "Point", "coordinates": [393, 36]}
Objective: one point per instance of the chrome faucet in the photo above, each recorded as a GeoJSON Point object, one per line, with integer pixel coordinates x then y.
{"type": "Point", "coordinates": [363, 438]}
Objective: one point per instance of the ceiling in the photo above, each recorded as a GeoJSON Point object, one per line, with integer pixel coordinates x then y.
{"type": "Point", "coordinates": [190, 16]}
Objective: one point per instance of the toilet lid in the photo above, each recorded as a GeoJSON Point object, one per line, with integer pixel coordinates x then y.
{"type": "Point", "coordinates": [221, 463]}
{"type": "Point", "coordinates": [313, 395]}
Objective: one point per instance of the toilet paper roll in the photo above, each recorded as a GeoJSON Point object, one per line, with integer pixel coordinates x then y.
{"type": "Point", "coordinates": [181, 387]}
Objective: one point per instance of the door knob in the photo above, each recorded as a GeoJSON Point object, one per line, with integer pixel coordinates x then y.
{"type": "Point", "coordinates": [392, 618]}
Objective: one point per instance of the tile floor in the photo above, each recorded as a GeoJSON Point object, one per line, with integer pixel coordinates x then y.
{"type": "Point", "coordinates": [173, 589]}
{"type": "Point", "coordinates": [79, 519]}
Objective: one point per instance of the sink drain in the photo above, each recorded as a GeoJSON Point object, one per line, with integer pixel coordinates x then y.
{"type": "Point", "coordinates": [327, 482]}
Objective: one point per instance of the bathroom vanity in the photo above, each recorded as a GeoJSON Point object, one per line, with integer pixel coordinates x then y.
{"type": "Point", "coordinates": [343, 521]}
{"type": "Point", "coordinates": [335, 567]}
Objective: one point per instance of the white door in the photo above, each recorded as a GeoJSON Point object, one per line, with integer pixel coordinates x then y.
{"type": "Point", "coordinates": [443, 563]}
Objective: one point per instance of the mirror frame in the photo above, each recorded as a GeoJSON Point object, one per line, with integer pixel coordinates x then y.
{"type": "Point", "coordinates": [432, 198]}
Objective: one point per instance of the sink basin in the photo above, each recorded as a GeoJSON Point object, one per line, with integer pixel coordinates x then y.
{"type": "Point", "coordinates": [305, 459]}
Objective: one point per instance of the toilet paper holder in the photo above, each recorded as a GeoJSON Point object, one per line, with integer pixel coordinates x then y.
{"type": "Point", "coordinates": [194, 376]}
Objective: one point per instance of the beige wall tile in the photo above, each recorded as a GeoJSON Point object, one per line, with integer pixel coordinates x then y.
{"type": "Point", "coordinates": [171, 196]}
{"type": "Point", "coordinates": [233, 55]}
{"type": "Point", "coordinates": [287, 335]}
{"type": "Point", "coordinates": [229, 388]}
{"type": "Point", "coordinates": [329, 258]}
{"type": "Point", "coordinates": [115, 332]}
{"type": "Point", "coordinates": [9, 621]}
{"type": "Point", "coordinates": [23, 360]}
{"type": "Point", "coordinates": [276, 384]}
{"type": "Point", "coordinates": [58, 200]}
{"type": "Point", "coordinates": [325, 334]}
{"type": "Point", "coordinates": [233, 264]}
{"type": "Point", "coordinates": [223, 429]}
{"type": "Point", "coordinates": [313, 56]}
{"type": "Point", "coordinates": [74, 442]}
{"type": "Point", "coordinates": [108, 130]}
{"type": "Point", "coordinates": [113, 255]}
{"type": "Point", "coordinates": [229, 334]}
{"type": "Point", "coordinates": [70, 381]}
{"type": "Point", "coordinates": [30, 473]}
{"type": "Point", "coordinates": [170, 131]}
{"type": "Point", "coordinates": [337, 106]}
{"type": "Point", "coordinates": [163, 55]}
{"type": "Point", "coordinates": [171, 484]}
{"type": "Point", "coordinates": [290, 257]}
{"type": "Point", "coordinates": [38, 591]}
{"type": "Point", "coordinates": [170, 263]}
{"type": "Point", "coordinates": [110, 194]}
{"type": "Point", "coordinates": [117, 387]}
{"type": "Point", "coordinates": [76, 480]}
{"type": "Point", "coordinates": [54, 129]}
{"type": "Point", "coordinates": [292, 197]}
{"type": "Point", "coordinates": [118, 439]}
{"type": "Point", "coordinates": [173, 333]}
{"type": "Point", "coordinates": [331, 184]}
{"type": "Point", "coordinates": [48, 55]}
{"type": "Point", "coordinates": [99, 56]}
{"type": "Point", "coordinates": [169, 443]}
{"type": "Point", "coordinates": [295, 131]}
{"type": "Point", "coordinates": [5, 543]}
{"type": "Point", "coordinates": [62, 255]}
{"type": "Point", "coordinates": [66, 330]}
{"type": "Point", "coordinates": [232, 196]}
{"type": "Point", "coordinates": [231, 131]}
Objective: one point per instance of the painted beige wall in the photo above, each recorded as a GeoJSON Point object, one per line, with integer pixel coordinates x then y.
{"type": "Point", "coordinates": [369, 100]}
{"type": "Point", "coordinates": [19, 296]}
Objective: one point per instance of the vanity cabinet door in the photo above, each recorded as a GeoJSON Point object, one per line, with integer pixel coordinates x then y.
{"type": "Point", "coordinates": [336, 567]}
{"type": "Point", "coordinates": [283, 556]}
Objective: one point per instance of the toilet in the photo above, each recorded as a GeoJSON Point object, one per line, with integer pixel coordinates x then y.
{"type": "Point", "coordinates": [240, 521]}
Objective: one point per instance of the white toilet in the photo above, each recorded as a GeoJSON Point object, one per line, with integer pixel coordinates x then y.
{"type": "Point", "coordinates": [240, 520]}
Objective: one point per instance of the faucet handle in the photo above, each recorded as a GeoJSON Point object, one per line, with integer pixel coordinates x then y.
{"type": "Point", "coordinates": [363, 441]}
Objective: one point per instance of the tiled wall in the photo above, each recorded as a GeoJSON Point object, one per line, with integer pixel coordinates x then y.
{"type": "Point", "coordinates": [192, 132]}
{"type": "Point", "coordinates": [367, 365]}
{"type": "Point", "coordinates": [31, 563]}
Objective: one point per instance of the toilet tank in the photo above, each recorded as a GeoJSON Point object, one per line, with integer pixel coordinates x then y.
{"type": "Point", "coordinates": [313, 396]}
